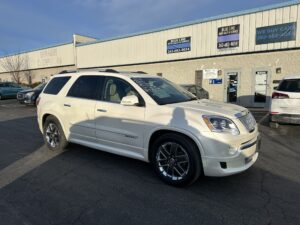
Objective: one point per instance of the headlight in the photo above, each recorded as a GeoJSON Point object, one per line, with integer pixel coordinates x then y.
{"type": "Point", "coordinates": [29, 94]}
{"type": "Point", "coordinates": [221, 124]}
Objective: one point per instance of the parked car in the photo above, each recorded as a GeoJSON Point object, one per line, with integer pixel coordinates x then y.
{"type": "Point", "coordinates": [196, 90]}
{"type": "Point", "coordinates": [285, 103]}
{"type": "Point", "coordinates": [148, 118]}
{"type": "Point", "coordinates": [9, 90]}
{"type": "Point", "coordinates": [30, 96]}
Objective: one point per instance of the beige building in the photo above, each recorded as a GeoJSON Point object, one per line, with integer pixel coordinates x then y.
{"type": "Point", "coordinates": [238, 57]}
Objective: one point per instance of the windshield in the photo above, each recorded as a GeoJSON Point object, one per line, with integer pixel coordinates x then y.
{"type": "Point", "coordinates": [40, 86]}
{"type": "Point", "coordinates": [163, 91]}
{"type": "Point", "coordinates": [291, 85]}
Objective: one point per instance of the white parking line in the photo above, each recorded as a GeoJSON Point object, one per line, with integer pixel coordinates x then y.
{"type": "Point", "coordinates": [25, 165]}
{"type": "Point", "coordinates": [263, 118]}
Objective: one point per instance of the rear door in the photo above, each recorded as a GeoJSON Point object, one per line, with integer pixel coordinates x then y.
{"type": "Point", "coordinates": [6, 90]}
{"type": "Point", "coordinates": [79, 105]}
{"type": "Point", "coordinates": [15, 89]}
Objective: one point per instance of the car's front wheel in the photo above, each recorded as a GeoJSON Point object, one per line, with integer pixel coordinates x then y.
{"type": "Point", "coordinates": [176, 159]}
{"type": "Point", "coordinates": [54, 136]}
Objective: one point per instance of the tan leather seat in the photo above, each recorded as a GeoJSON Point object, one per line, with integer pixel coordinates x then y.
{"type": "Point", "coordinates": [113, 94]}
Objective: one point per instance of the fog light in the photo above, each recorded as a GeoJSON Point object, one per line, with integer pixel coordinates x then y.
{"type": "Point", "coordinates": [223, 165]}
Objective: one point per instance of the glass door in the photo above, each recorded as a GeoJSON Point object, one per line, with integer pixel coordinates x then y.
{"type": "Point", "coordinates": [261, 88]}
{"type": "Point", "coordinates": [232, 86]}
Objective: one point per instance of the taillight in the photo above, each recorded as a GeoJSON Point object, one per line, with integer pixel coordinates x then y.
{"type": "Point", "coordinates": [38, 101]}
{"type": "Point", "coordinates": [279, 95]}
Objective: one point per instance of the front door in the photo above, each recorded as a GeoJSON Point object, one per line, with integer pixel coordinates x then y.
{"type": "Point", "coordinates": [232, 80]}
{"type": "Point", "coordinates": [261, 88]}
{"type": "Point", "coordinates": [120, 127]}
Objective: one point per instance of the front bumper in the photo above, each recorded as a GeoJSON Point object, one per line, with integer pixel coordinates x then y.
{"type": "Point", "coordinates": [245, 157]}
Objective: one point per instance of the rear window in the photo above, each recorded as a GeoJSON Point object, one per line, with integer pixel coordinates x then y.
{"type": "Point", "coordinates": [292, 85]}
{"type": "Point", "coordinates": [55, 85]}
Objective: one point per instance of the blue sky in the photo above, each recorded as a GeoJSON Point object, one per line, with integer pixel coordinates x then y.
{"type": "Point", "coordinates": [30, 24]}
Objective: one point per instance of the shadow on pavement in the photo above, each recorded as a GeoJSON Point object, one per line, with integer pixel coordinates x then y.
{"type": "Point", "coordinates": [85, 186]}
{"type": "Point", "coordinates": [18, 138]}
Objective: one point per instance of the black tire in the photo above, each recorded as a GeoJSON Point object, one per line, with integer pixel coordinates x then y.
{"type": "Point", "coordinates": [1, 97]}
{"type": "Point", "coordinates": [174, 170]}
{"type": "Point", "coordinates": [54, 136]}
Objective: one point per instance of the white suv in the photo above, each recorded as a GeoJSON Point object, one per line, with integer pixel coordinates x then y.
{"type": "Point", "coordinates": [151, 119]}
{"type": "Point", "coordinates": [285, 104]}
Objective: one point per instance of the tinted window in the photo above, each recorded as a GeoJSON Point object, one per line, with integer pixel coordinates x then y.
{"type": "Point", "coordinates": [14, 85]}
{"type": "Point", "coordinates": [163, 91]}
{"type": "Point", "coordinates": [115, 89]}
{"type": "Point", "coordinates": [55, 85]}
{"type": "Point", "coordinates": [290, 85]}
{"type": "Point", "coordinates": [86, 87]}
{"type": "Point", "coordinates": [192, 90]}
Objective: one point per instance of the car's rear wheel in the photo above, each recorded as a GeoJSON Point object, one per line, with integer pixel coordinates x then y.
{"type": "Point", "coordinates": [54, 136]}
{"type": "Point", "coordinates": [176, 159]}
{"type": "Point", "coordinates": [1, 97]}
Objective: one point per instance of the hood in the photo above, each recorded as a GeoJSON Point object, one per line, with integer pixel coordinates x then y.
{"type": "Point", "coordinates": [26, 91]}
{"type": "Point", "coordinates": [209, 107]}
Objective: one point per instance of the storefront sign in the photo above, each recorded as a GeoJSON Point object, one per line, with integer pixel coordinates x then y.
{"type": "Point", "coordinates": [229, 37]}
{"type": "Point", "coordinates": [210, 74]}
{"type": "Point", "coordinates": [215, 81]}
{"type": "Point", "coordinates": [179, 45]}
{"type": "Point", "coordinates": [276, 33]}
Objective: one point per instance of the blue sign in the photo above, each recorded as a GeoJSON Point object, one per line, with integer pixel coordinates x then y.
{"type": "Point", "coordinates": [229, 37]}
{"type": "Point", "coordinates": [215, 81]}
{"type": "Point", "coordinates": [179, 45]}
{"type": "Point", "coordinates": [276, 33]}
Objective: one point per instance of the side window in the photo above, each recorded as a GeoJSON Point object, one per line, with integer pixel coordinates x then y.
{"type": "Point", "coordinates": [115, 89]}
{"type": "Point", "coordinates": [14, 85]}
{"type": "Point", "coordinates": [55, 85]}
{"type": "Point", "coordinates": [86, 87]}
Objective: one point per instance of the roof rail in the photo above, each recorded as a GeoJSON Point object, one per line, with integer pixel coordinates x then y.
{"type": "Point", "coordinates": [109, 71]}
{"type": "Point", "coordinates": [67, 71]}
{"type": "Point", "coordinates": [142, 72]}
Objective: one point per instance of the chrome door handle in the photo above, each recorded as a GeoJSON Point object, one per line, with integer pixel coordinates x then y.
{"type": "Point", "coordinates": [67, 105]}
{"type": "Point", "coordinates": [101, 110]}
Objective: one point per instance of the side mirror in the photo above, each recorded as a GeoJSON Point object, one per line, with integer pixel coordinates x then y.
{"type": "Point", "coordinates": [275, 88]}
{"type": "Point", "coordinates": [131, 100]}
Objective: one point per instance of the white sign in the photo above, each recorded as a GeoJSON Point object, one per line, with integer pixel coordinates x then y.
{"type": "Point", "coordinates": [210, 74]}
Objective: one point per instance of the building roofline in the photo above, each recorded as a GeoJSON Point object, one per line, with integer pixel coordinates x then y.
{"type": "Point", "coordinates": [37, 49]}
{"type": "Point", "coordinates": [208, 19]}
{"type": "Point", "coordinates": [86, 36]}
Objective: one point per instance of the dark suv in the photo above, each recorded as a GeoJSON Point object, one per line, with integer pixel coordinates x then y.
{"type": "Point", "coordinates": [196, 90]}
{"type": "Point", "coordinates": [30, 96]}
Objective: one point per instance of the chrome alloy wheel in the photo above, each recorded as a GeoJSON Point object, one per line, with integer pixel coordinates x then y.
{"type": "Point", "coordinates": [52, 135]}
{"type": "Point", "coordinates": [173, 161]}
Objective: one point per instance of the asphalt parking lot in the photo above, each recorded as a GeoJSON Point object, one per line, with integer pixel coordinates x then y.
{"type": "Point", "coordinates": [85, 186]}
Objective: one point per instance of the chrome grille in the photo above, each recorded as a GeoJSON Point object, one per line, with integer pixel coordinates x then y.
{"type": "Point", "coordinates": [249, 122]}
